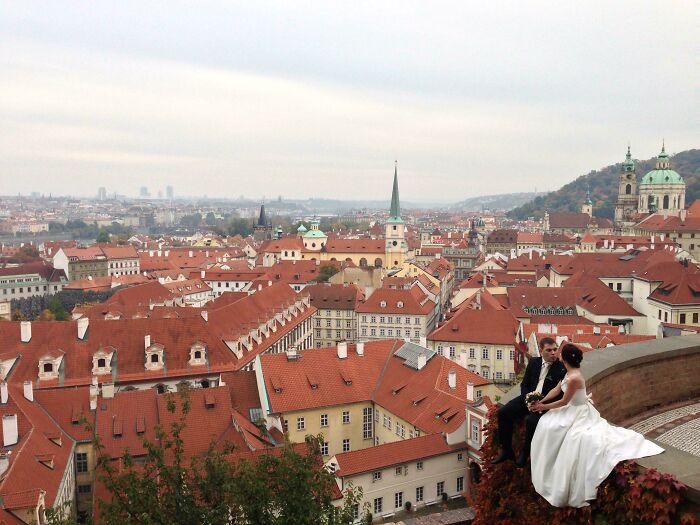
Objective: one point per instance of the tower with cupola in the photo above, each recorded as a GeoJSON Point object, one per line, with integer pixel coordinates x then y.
{"type": "Point", "coordinates": [395, 236]}
{"type": "Point", "coordinates": [626, 206]}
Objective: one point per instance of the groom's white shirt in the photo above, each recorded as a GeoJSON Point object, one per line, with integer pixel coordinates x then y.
{"type": "Point", "coordinates": [543, 374]}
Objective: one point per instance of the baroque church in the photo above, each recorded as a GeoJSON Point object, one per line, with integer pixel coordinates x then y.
{"type": "Point", "coordinates": [662, 191]}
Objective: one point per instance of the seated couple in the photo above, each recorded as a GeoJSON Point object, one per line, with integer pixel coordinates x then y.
{"type": "Point", "coordinates": [572, 448]}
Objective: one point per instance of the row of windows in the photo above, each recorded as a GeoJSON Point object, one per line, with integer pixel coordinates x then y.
{"type": "Point", "coordinates": [324, 420]}
{"type": "Point", "coordinates": [549, 310]}
{"type": "Point", "coordinates": [338, 323]}
{"type": "Point", "coordinates": [390, 332]}
{"type": "Point", "coordinates": [420, 494]}
{"type": "Point", "coordinates": [485, 353]}
{"type": "Point", "coordinates": [338, 313]}
{"type": "Point", "coordinates": [390, 319]}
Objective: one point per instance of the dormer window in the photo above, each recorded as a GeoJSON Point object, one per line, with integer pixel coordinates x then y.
{"type": "Point", "coordinates": [198, 354]}
{"type": "Point", "coordinates": [399, 304]}
{"type": "Point", "coordinates": [50, 364]}
{"type": "Point", "coordinates": [382, 304]}
{"type": "Point", "coordinates": [102, 361]}
{"type": "Point", "coordinates": [155, 357]}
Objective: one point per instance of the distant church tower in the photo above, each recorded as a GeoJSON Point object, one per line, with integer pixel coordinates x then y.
{"type": "Point", "coordinates": [626, 206]}
{"type": "Point", "coordinates": [262, 231]}
{"type": "Point", "coordinates": [587, 208]}
{"type": "Point", "coordinates": [396, 246]}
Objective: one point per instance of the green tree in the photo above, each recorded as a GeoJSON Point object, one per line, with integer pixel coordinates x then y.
{"type": "Point", "coordinates": [239, 226]}
{"type": "Point", "coordinates": [191, 221]}
{"type": "Point", "coordinates": [103, 236]}
{"type": "Point", "coordinates": [57, 309]}
{"type": "Point", "coordinates": [325, 273]}
{"type": "Point", "coordinates": [210, 219]}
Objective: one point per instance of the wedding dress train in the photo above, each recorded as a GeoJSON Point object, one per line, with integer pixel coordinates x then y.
{"type": "Point", "coordinates": [574, 449]}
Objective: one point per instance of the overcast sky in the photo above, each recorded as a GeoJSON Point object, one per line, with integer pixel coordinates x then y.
{"type": "Point", "coordinates": [318, 98]}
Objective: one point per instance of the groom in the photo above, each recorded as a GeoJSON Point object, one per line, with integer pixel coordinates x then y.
{"type": "Point", "coordinates": [542, 374]}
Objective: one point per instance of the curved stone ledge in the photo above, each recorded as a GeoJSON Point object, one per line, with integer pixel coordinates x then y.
{"type": "Point", "coordinates": [628, 380]}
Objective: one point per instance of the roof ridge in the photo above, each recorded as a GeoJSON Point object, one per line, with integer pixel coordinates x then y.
{"type": "Point", "coordinates": [387, 360]}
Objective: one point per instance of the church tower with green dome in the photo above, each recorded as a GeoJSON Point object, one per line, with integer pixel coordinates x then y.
{"type": "Point", "coordinates": [626, 206]}
{"type": "Point", "coordinates": [396, 246]}
{"type": "Point", "coordinates": [662, 190]}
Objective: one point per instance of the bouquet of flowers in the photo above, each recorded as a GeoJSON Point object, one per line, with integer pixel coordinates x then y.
{"type": "Point", "coordinates": [533, 397]}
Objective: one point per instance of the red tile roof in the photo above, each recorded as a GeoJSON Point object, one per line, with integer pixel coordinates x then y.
{"type": "Point", "coordinates": [478, 326]}
{"type": "Point", "coordinates": [392, 454]}
{"type": "Point", "coordinates": [414, 301]}
{"type": "Point", "coordinates": [335, 296]}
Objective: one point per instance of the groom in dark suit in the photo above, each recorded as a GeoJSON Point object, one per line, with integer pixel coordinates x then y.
{"type": "Point", "coordinates": [542, 374]}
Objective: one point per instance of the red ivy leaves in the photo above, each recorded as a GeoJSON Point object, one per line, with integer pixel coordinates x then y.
{"type": "Point", "coordinates": [629, 496]}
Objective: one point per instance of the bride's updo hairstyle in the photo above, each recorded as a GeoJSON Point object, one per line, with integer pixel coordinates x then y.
{"type": "Point", "coordinates": [572, 355]}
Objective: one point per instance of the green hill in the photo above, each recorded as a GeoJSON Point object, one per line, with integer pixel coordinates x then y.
{"type": "Point", "coordinates": [603, 187]}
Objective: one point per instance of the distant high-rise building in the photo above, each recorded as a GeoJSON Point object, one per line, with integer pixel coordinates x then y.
{"type": "Point", "coordinates": [102, 193]}
{"type": "Point", "coordinates": [169, 193]}
{"type": "Point", "coordinates": [143, 193]}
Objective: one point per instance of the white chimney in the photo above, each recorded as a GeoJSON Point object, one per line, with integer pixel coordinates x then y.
{"type": "Point", "coordinates": [422, 361]}
{"type": "Point", "coordinates": [342, 350]}
{"type": "Point", "coordinates": [452, 379]}
{"type": "Point", "coordinates": [203, 273]}
{"type": "Point", "coordinates": [596, 330]}
{"type": "Point", "coordinates": [190, 254]}
{"type": "Point", "coordinates": [605, 243]}
{"type": "Point", "coordinates": [206, 253]}
{"type": "Point", "coordinates": [93, 397]}
{"type": "Point", "coordinates": [470, 391]}
{"type": "Point", "coordinates": [29, 390]}
{"type": "Point", "coordinates": [146, 341]}
{"type": "Point", "coordinates": [4, 463]}
{"type": "Point", "coordinates": [360, 348]}
{"type": "Point", "coordinates": [205, 315]}
{"type": "Point", "coordinates": [160, 253]}
{"type": "Point", "coordinates": [25, 331]}
{"type": "Point", "coordinates": [3, 393]}
{"type": "Point", "coordinates": [83, 324]}
{"type": "Point", "coordinates": [9, 430]}
{"type": "Point", "coordinates": [167, 252]}
{"type": "Point", "coordinates": [108, 390]}
{"type": "Point", "coordinates": [424, 342]}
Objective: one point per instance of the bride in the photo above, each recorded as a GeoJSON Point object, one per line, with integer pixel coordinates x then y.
{"type": "Point", "coordinates": [574, 449]}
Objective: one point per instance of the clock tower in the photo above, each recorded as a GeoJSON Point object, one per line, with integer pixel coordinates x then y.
{"type": "Point", "coordinates": [626, 206]}
{"type": "Point", "coordinates": [396, 246]}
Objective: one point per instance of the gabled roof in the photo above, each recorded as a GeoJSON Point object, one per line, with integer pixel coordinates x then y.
{"type": "Point", "coordinates": [597, 298]}
{"type": "Point", "coordinates": [486, 326]}
{"type": "Point", "coordinates": [397, 301]}
{"type": "Point", "coordinates": [393, 454]}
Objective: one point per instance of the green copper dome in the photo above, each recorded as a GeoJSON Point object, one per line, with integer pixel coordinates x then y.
{"type": "Point", "coordinates": [314, 234]}
{"type": "Point", "coordinates": [663, 174]}
{"type": "Point", "coordinates": [301, 228]}
{"type": "Point", "coordinates": [662, 177]}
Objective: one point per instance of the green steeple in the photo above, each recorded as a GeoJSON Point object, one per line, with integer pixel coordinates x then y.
{"type": "Point", "coordinates": [395, 213]}
{"type": "Point", "coordinates": [628, 165]}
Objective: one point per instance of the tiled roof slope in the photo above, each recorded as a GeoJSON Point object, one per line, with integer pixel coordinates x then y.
{"type": "Point", "coordinates": [391, 454]}
{"type": "Point", "coordinates": [478, 326]}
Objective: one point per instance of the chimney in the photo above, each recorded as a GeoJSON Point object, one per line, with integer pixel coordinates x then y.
{"type": "Point", "coordinates": [167, 252]}
{"type": "Point", "coordinates": [4, 463]}
{"type": "Point", "coordinates": [292, 354]}
{"type": "Point", "coordinates": [29, 390]}
{"type": "Point", "coordinates": [190, 254]}
{"type": "Point", "coordinates": [596, 330]}
{"type": "Point", "coordinates": [422, 360]}
{"type": "Point", "coordinates": [146, 341]}
{"type": "Point", "coordinates": [360, 348]}
{"type": "Point", "coordinates": [93, 397]}
{"type": "Point", "coordinates": [470, 391]}
{"type": "Point", "coordinates": [342, 350]}
{"type": "Point", "coordinates": [3, 393]}
{"type": "Point", "coordinates": [206, 254]}
{"type": "Point", "coordinates": [424, 342]}
{"type": "Point", "coordinates": [452, 379]}
{"type": "Point", "coordinates": [108, 390]}
{"type": "Point", "coordinates": [205, 315]}
{"type": "Point", "coordinates": [25, 331]}
{"type": "Point", "coordinates": [203, 273]}
{"type": "Point", "coordinates": [9, 430]}
{"type": "Point", "coordinates": [83, 323]}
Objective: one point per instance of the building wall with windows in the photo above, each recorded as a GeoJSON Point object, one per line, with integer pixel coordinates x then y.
{"type": "Point", "coordinates": [332, 326]}
{"type": "Point", "coordinates": [421, 482]}
{"type": "Point", "coordinates": [493, 362]}
{"type": "Point", "coordinates": [387, 326]}
{"type": "Point", "coordinates": [341, 426]}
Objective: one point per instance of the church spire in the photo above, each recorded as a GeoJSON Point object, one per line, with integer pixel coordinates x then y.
{"type": "Point", "coordinates": [262, 219]}
{"type": "Point", "coordinates": [628, 165]}
{"type": "Point", "coordinates": [395, 213]}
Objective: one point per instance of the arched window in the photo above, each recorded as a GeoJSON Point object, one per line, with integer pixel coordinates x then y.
{"type": "Point", "coordinates": [154, 358]}
{"type": "Point", "coordinates": [377, 263]}
{"type": "Point", "coordinates": [628, 189]}
{"type": "Point", "coordinates": [102, 362]}
{"type": "Point", "coordinates": [666, 202]}
{"type": "Point", "coordinates": [363, 263]}
{"type": "Point", "coordinates": [198, 354]}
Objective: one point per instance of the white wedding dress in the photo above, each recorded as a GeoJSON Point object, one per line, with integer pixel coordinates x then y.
{"type": "Point", "coordinates": [574, 450]}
